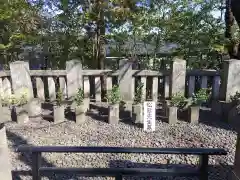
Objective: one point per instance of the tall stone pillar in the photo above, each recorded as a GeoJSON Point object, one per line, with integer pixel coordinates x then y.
{"type": "Point", "coordinates": [125, 80]}
{"type": "Point", "coordinates": [230, 79]}
{"type": "Point", "coordinates": [177, 76]}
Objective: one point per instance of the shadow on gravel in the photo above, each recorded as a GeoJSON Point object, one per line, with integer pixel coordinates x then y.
{"type": "Point", "coordinates": [130, 122]}
{"type": "Point", "coordinates": [69, 114]}
{"type": "Point", "coordinates": [98, 117]}
{"type": "Point", "coordinates": [100, 113]}
{"type": "Point", "coordinates": [47, 111]}
{"type": "Point", "coordinates": [218, 172]}
{"type": "Point", "coordinates": [101, 108]}
{"type": "Point", "coordinates": [208, 118]}
{"type": "Point", "coordinates": [23, 157]}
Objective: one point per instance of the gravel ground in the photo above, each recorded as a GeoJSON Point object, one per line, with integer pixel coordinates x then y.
{"type": "Point", "coordinates": [98, 133]}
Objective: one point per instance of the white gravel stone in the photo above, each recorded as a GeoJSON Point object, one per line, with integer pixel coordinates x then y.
{"type": "Point", "coordinates": [98, 133]}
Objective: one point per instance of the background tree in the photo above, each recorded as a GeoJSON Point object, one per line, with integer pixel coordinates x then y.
{"type": "Point", "coordinates": [66, 29]}
{"type": "Point", "coordinates": [19, 22]}
{"type": "Point", "coordinates": [232, 13]}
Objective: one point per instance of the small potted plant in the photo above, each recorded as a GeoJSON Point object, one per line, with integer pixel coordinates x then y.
{"type": "Point", "coordinates": [137, 108]}
{"type": "Point", "coordinates": [113, 98]}
{"type": "Point", "coordinates": [59, 108]}
{"type": "Point", "coordinates": [177, 101]}
{"type": "Point", "coordinates": [20, 107]}
{"type": "Point", "coordinates": [193, 105]}
{"type": "Point", "coordinates": [80, 110]}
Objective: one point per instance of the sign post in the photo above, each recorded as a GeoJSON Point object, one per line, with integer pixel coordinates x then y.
{"type": "Point", "coordinates": [149, 115]}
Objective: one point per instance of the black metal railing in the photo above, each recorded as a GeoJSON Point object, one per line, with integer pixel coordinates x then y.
{"type": "Point", "coordinates": [118, 173]}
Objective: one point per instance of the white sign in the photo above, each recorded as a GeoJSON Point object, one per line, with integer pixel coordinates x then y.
{"type": "Point", "coordinates": [149, 115]}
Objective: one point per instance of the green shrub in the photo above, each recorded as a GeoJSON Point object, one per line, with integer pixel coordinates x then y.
{"type": "Point", "coordinates": [200, 97]}
{"type": "Point", "coordinates": [138, 95]}
{"type": "Point", "coordinates": [79, 97]}
{"type": "Point", "coordinates": [59, 99]}
{"type": "Point", "coordinates": [113, 96]}
{"type": "Point", "coordinates": [178, 100]}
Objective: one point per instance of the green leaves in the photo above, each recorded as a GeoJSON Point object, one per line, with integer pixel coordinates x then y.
{"type": "Point", "coordinates": [178, 100]}
{"type": "Point", "coordinates": [189, 24]}
{"type": "Point", "coordinates": [59, 97]}
{"type": "Point", "coordinates": [138, 98]}
{"type": "Point", "coordinates": [79, 97]}
{"type": "Point", "coordinates": [114, 96]}
{"type": "Point", "coordinates": [19, 22]}
{"type": "Point", "coordinates": [200, 97]}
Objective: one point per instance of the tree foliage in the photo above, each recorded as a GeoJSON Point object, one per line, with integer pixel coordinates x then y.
{"type": "Point", "coordinates": [19, 22]}
{"type": "Point", "coordinates": [67, 29]}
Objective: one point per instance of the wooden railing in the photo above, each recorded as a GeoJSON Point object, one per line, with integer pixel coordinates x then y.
{"type": "Point", "coordinates": [156, 83]}
{"type": "Point", "coordinates": [201, 172]}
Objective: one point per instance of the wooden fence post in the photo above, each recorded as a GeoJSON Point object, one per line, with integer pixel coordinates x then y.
{"type": "Point", "coordinates": [5, 164]}
{"type": "Point", "coordinates": [177, 76]}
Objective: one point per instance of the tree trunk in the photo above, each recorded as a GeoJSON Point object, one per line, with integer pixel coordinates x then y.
{"type": "Point", "coordinates": [235, 6]}
{"type": "Point", "coordinates": [100, 45]}
{"type": "Point", "coordinates": [232, 11]}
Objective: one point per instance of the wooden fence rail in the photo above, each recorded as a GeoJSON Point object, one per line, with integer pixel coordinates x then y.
{"type": "Point", "coordinates": [162, 83]}
{"type": "Point", "coordinates": [201, 172]}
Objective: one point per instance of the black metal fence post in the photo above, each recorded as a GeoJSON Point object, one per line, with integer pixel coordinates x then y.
{"type": "Point", "coordinates": [203, 167]}
{"type": "Point", "coordinates": [118, 177]}
{"type": "Point", "coordinates": [36, 164]}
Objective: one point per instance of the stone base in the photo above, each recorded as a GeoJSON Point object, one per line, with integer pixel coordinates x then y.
{"type": "Point", "coordinates": [21, 114]}
{"type": "Point", "coordinates": [126, 110]}
{"type": "Point", "coordinates": [80, 114]}
{"type": "Point", "coordinates": [221, 109]}
{"type": "Point", "coordinates": [5, 113]}
{"type": "Point", "coordinates": [171, 114]}
{"type": "Point", "coordinates": [86, 104]}
{"type": "Point", "coordinates": [193, 114]}
{"type": "Point", "coordinates": [216, 108]}
{"type": "Point", "coordinates": [113, 114]}
{"type": "Point", "coordinates": [137, 113]}
{"type": "Point", "coordinates": [35, 108]}
{"type": "Point", "coordinates": [233, 117]}
{"type": "Point", "coordinates": [58, 113]}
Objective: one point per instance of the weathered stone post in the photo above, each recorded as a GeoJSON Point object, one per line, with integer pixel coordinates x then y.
{"type": "Point", "coordinates": [229, 86]}
{"type": "Point", "coordinates": [74, 77]}
{"type": "Point", "coordinates": [75, 80]}
{"type": "Point", "coordinates": [21, 80]}
{"type": "Point", "coordinates": [5, 163]}
{"type": "Point", "coordinates": [177, 76]}
{"type": "Point", "coordinates": [230, 81]}
{"type": "Point", "coordinates": [125, 81]}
